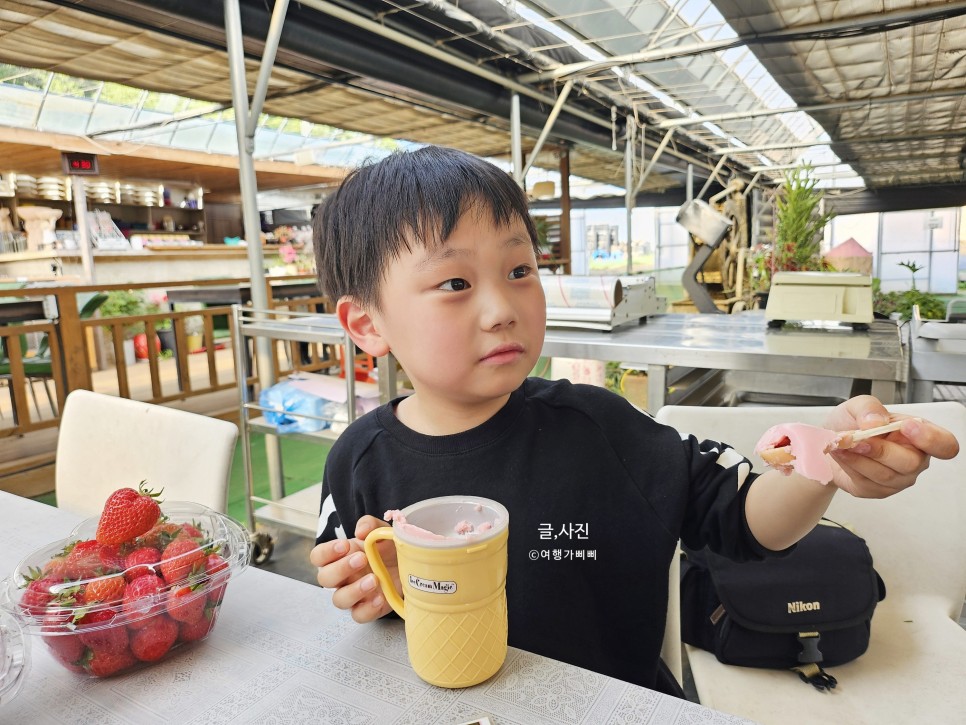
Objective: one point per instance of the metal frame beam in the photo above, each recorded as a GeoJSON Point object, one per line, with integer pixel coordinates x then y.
{"type": "Point", "coordinates": [802, 32]}
{"type": "Point", "coordinates": [245, 134]}
{"type": "Point", "coordinates": [817, 107]}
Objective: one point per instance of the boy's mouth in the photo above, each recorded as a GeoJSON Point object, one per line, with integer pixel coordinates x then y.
{"type": "Point", "coordinates": [503, 353]}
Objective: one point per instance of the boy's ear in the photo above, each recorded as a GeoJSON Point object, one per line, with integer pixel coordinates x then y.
{"type": "Point", "coordinates": [361, 327]}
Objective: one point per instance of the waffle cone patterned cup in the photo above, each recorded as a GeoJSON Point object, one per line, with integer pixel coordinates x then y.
{"type": "Point", "coordinates": [454, 586]}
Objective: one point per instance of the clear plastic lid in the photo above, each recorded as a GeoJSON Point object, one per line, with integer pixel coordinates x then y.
{"type": "Point", "coordinates": [73, 581]}
{"type": "Point", "coordinates": [14, 657]}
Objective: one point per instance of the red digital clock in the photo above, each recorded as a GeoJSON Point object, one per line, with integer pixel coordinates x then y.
{"type": "Point", "coordinates": [78, 164]}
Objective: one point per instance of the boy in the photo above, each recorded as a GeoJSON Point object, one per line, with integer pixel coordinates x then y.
{"type": "Point", "coordinates": [431, 255]}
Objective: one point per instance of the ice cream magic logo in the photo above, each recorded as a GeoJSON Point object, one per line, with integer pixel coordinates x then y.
{"type": "Point", "coordinates": [431, 585]}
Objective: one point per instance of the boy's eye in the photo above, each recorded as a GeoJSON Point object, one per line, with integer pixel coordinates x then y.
{"type": "Point", "coordinates": [520, 272]}
{"type": "Point", "coordinates": [455, 285]}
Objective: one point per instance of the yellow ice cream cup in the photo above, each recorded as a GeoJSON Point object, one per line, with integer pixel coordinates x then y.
{"type": "Point", "coordinates": [454, 588]}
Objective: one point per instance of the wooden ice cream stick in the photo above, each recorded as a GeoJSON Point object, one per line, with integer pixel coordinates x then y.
{"type": "Point", "coordinates": [861, 435]}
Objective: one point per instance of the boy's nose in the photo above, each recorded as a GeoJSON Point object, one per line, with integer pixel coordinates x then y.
{"type": "Point", "coordinates": [496, 310]}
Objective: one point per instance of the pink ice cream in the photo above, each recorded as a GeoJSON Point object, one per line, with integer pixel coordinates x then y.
{"type": "Point", "coordinates": [462, 529]}
{"type": "Point", "coordinates": [398, 520]}
{"type": "Point", "coordinates": [807, 446]}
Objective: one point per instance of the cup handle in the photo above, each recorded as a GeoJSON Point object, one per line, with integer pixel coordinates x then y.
{"type": "Point", "coordinates": [380, 570]}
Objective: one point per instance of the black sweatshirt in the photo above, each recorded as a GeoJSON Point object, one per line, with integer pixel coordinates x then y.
{"type": "Point", "coordinates": [598, 495]}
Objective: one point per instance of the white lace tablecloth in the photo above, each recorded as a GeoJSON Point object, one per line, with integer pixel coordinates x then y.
{"type": "Point", "coordinates": [281, 653]}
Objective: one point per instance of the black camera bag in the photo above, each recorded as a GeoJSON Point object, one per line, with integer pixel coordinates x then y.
{"type": "Point", "coordinates": [810, 608]}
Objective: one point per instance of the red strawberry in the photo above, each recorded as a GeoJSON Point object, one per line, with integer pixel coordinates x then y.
{"type": "Point", "coordinates": [142, 599]}
{"type": "Point", "coordinates": [56, 568]}
{"type": "Point", "coordinates": [182, 558]}
{"type": "Point", "coordinates": [68, 650]}
{"type": "Point", "coordinates": [112, 558]}
{"type": "Point", "coordinates": [38, 595]}
{"type": "Point", "coordinates": [198, 630]}
{"type": "Point", "coordinates": [127, 514]}
{"type": "Point", "coordinates": [66, 647]}
{"type": "Point", "coordinates": [140, 562]}
{"type": "Point", "coordinates": [192, 531]}
{"type": "Point", "coordinates": [215, 564]}
{"type": "Point", "coordinates": [105, 664]}
{"type": "Point", "coordinates": [84, 560]}
{"type": "Point", "coordinates": [105, 589]}
{"type": "Point", "coordinates": [186, 604]}
{"type": "Point", "coordinates": [159, 536]}
{"type": "Point", "coordinates": [217, 568]}
{"type": "Point", "coordinates": [153, 642]}
{"type": "Point", "coordinates": [97, 631]}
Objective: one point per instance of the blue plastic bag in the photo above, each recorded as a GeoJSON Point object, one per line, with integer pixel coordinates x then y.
{"type": "Point", "coordinates": [287, 406]}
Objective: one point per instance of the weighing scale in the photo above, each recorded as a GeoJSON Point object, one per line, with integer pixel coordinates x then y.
{"type": "Point", "coordinates": [827, 296]}
{"type": "Point", "coordinates": [599, 302]}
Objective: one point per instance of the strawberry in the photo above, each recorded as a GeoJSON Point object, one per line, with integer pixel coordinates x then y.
{"type": "Point", "coordinates": [215, 564]}
{"type": "Point", "coordinates": [159, 535]}
{"type": "Point", "coordinates": [97, 631]}
{"type": "Point", "coordinates": [127, 514]}
{"type": "Point", "coordinates": [67, 649]}
{"type": "Point", "coordinates": [140, 562]}
{"type": "Point", "coordinates": [153, 642]}
{"type": "Point", "coordinates": [112, 558]}
{"type": "Point", "coordinates": [186, 604]}
{"type": "Point", "coordinates": [38, 595]}
{"type": "Point", "coordinates": [105, 589]}
{"type": "Point", "coordinates": [142, 600]}
{"type": "Point", "coordinates": [105, 663]}
{"type": "Point", "coordinates": [182, 558]}
{"type": "Point", "coordinates": [84, 560]}
{"type": "Point", "coordinates": [217, 568]}
{"type": "Point", "coordinates": [192, 531]}
{"type": "Point", "coordinates": [192, 632]}
{"type": "Point", "coordinates": [56, 568]}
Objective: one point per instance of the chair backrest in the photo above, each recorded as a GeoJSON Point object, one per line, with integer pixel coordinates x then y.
{"type": "Point", "coordinates": [917, 537]}
{"type": "Point", "coordinates": [106, 443]}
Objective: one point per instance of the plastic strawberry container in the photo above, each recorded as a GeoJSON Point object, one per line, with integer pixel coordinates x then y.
{"type": "Point", "coordinates": [14, 657]}
{"type": "Point", "coordinates": [105, 610]}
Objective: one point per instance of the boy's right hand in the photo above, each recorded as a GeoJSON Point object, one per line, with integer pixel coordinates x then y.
{"type": "Point", "coordinates": [343, 566]}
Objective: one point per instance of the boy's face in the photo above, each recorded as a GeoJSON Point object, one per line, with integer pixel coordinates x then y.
{"type": "Point", "coordinates": [467, 319]}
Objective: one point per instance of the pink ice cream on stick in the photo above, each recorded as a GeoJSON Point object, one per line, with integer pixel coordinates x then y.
{"type": "Point", "coordinates": [804, 448]}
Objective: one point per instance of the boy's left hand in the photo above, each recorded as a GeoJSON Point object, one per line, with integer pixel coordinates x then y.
{"type": "Point", "coordinates": [884, 465]}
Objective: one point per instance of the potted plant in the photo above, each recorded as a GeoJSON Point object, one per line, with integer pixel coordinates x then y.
{"type": "Point", "coordinates": [157, 303]}
{"type": "Point", "coordinates": [887, 304]}
{"type": "Point", "coordinates": [799, 221]}
{"type": "Point", "coordinates": [125, 303]}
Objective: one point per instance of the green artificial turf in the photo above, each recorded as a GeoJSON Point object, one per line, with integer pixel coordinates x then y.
{"type": "Point", "coordinates": [302, 465]}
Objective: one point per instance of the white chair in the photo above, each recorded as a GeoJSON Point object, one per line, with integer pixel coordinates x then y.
{"type": "Point", "coordinates": [915, 668]}
{"type": "Point", "coordinates": [106, 443]}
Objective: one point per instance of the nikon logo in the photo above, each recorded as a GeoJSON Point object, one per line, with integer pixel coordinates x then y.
{"type": "Point", "coordinates": [796, 607]}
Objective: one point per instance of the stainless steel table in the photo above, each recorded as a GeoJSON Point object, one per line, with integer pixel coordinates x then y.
{"type": "Point", "coordinates": [280, 652]}
{"type": "Point", "coordinates": [742, 342]}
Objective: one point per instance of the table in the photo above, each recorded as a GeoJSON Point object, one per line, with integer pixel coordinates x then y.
{"type": "Point", "coordinates": [280, 652]}
{"type": "Point", "coordinates": [937, 354]}
{"type": "Point", "coordinates": [742, 342]}
{"type": "Point", "coordinates": [240, 294]}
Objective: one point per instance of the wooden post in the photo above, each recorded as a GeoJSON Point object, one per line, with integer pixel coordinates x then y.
{"type": "Point", "coordinates": [77, 373]}
{"type": "Point", "coordinates": [565, 208]}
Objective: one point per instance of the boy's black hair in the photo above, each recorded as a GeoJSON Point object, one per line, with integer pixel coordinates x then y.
{"type": "Point", "coordinates": [409, 197]}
